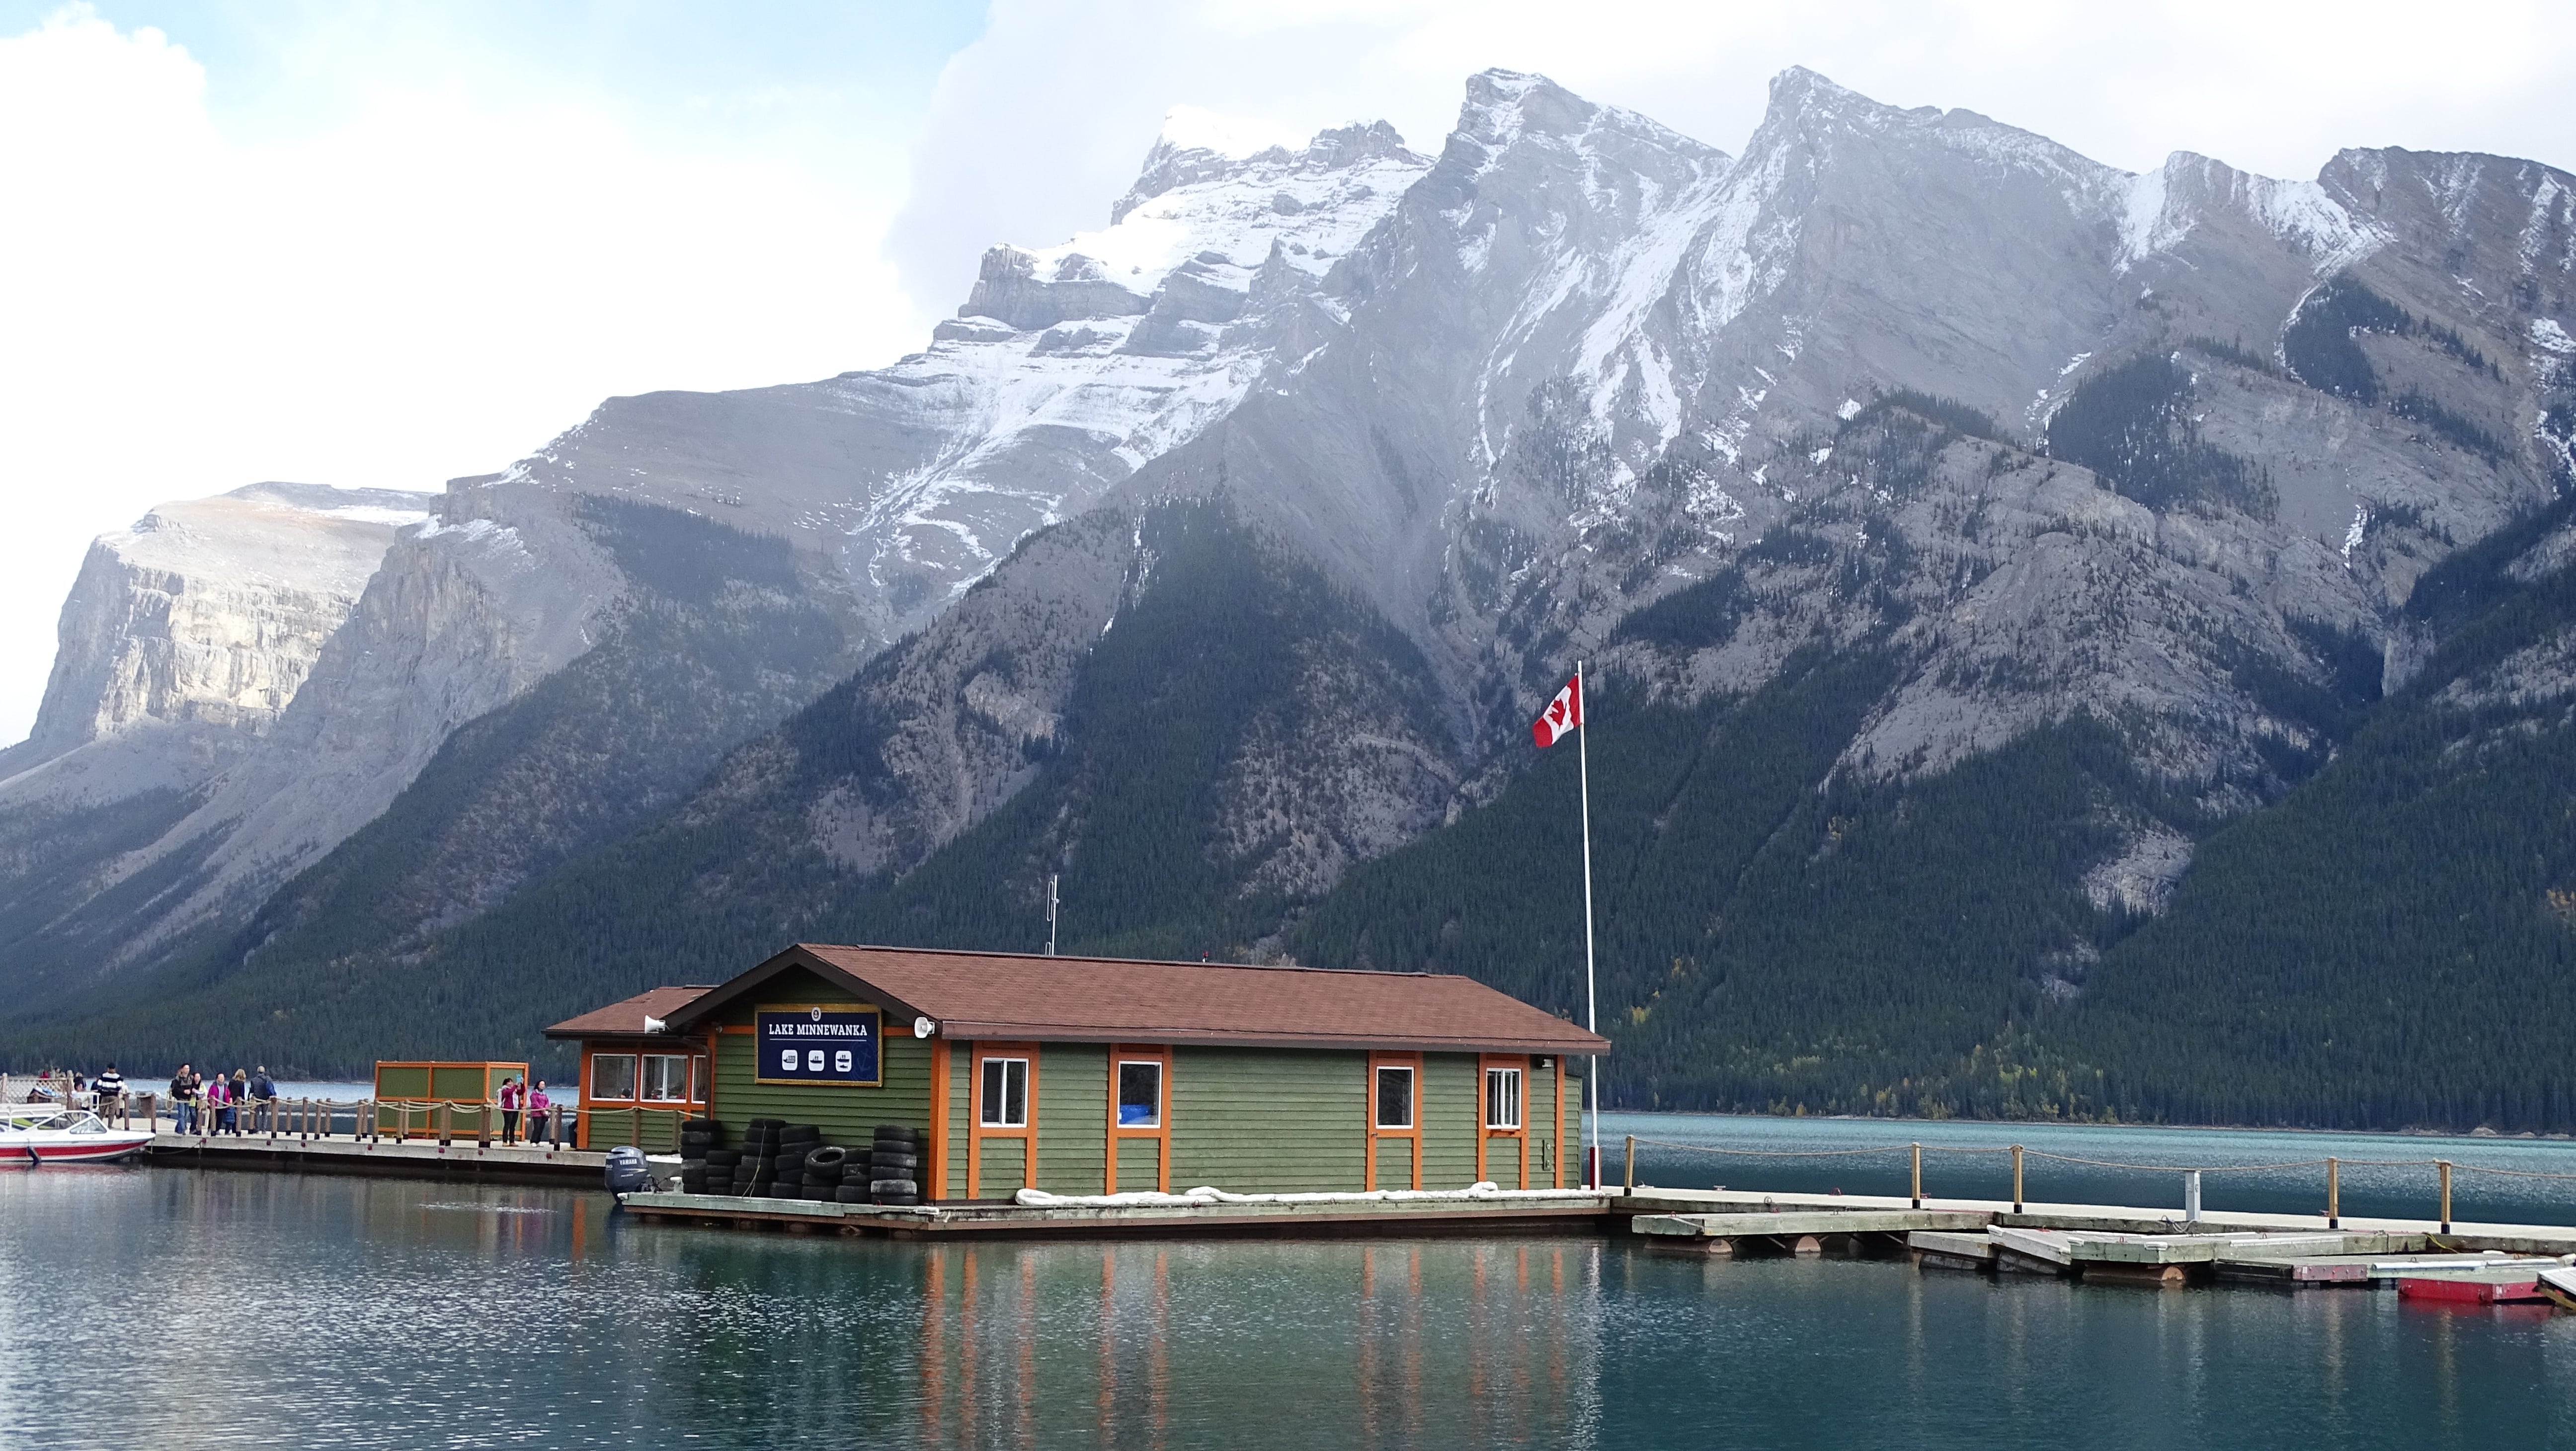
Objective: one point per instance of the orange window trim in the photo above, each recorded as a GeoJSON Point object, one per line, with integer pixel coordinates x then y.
{"type": "Point", "coordinates": [936, 1182]}
{"type": "Point", "coordinates": [977, 1132]}
{"type": "Point", "coordinates": [1376, 1061]}
{"type": "Point", "coordinates": [1556, 1152]}
{"type": "Point", "coordinates": [1486, 1061]}
{"type": "Point", "coordinates": [1161, 1133]}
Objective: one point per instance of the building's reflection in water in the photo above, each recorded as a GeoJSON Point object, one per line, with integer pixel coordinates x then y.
{"type": "Point", "coordinates": [1156, 1345]}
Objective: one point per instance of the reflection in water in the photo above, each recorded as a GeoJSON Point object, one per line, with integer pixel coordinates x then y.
{"type": "Point", "coordinates": [203, 1308]}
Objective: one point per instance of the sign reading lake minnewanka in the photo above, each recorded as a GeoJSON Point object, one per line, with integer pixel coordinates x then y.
{"type": "Point", "coordinates": [816, 1043]}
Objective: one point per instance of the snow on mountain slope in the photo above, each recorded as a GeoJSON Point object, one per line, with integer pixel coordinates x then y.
{"type": "Point", "coordinates": [893, 491]}
{"type": "Point", "coordinates": [1066, 369]}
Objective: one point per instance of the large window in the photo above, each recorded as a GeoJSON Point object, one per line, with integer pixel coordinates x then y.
{"type": "Point", "coordinates": [666, 1077]}
{"type": "Point", "coordinates": [1502, 1098]}
{"type": "Point", "coordinates": [612, 1076]}
{"type": "Point", "coordinates": [1395, 1098]}
{"type": "Point", "coordinates": [697, 1080]}
{"type": "Point", "coordinates": [1140, 1095]}
{"type": "Point", "coordinates": [1006, 1093]}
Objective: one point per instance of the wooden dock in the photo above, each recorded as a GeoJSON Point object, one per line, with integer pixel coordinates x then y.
{"type": "Point", "coordinates": [1506, 1213]}
{"type": "Point", "coordinates": [2095, 1243]}
{"type": "Point", "coordinates": [384, 1158]}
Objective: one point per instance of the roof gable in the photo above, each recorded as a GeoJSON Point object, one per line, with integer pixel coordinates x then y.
{"type": "Point", "coordinates": [997, 995]}
{"type": "Point", "coordinates": [627, 1017]}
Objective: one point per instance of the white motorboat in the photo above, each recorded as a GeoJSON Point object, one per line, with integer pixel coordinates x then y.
{"type": "Point", "coordinates": [48, 1133]}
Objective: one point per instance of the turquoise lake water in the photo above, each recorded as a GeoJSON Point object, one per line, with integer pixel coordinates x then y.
{"type": "Point", "coordinates": [155, 1307]}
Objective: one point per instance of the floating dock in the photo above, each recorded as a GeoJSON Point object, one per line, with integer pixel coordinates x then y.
{"type": "Point", "coordinates": [384, 1158]}
{"type": "Point", "coordinates": [2107, 1244]}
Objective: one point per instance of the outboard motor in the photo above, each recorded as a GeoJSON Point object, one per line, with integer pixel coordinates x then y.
{"type": "Point", "coordinates": [626, 1173]}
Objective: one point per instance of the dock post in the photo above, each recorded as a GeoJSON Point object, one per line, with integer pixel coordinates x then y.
{"type": "Point", "coordinates": [1629, 1186]}
{"type": "Point", "coordinates": [1918, 1176]}
{"type": "Point", "coordinates": [2016, 1178]}
{"type": "Point", "coordinates": [2334, 1191]}
{"type": "Point", "coordinates": [2445, 1166]}
{"type": "Point", "coordinates": [2191, 1196]}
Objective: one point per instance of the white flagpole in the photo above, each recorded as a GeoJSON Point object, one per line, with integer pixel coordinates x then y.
{"type": "Point", "coordinates": [1591, 1002]}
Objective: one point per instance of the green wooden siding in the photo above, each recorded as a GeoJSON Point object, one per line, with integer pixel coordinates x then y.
{"type": "Point", "coordinates": [1140, 1163]}
{"type": "Point", "coordinates": [846, 1116]}
{"type": "Point", "coordinates": [1265, 1121]}
{"type": "Point", "coordinates": [1004, 1162]}
{"type": "Point", "coordinates": [1072, 1117]}
{"type": "Point", "coordinates": [653, 1128]}
{"type": "Point", "coordinates": [1452, 1116]}
{"type": "Point", "coordinates": [1572, 1147]}
{"type": "Point", "coordinates": [1395, 1164]}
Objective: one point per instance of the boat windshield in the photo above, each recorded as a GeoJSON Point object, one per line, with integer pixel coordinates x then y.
{"type": "Point", "coordinates": [50, 1118]}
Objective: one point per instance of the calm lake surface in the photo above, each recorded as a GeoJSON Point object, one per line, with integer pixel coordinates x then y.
{"type": "Point", "coordinates": [168, 1307]}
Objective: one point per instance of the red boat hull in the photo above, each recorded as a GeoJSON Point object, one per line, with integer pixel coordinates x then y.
{"type": "Point", "coordinates": [29, 1155]}
{"type": "Point", "coordinates": [2471, 1292]}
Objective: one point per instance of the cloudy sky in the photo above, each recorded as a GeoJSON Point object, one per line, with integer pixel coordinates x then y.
{"type": "Point", "coordinates": [387, 244]}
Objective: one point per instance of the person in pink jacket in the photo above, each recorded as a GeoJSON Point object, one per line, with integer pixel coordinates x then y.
{"type": "Point", "coordinates": [538, 1107]}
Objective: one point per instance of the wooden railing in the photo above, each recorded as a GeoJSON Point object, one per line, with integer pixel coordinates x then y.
{"type": "Point", "coordinates": [368, 1119]}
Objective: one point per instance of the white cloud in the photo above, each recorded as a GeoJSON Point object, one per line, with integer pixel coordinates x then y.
{"type": "Point", "coordinates": [1039, 124]}
{"type": "Point", "coordinates": [445, 274]}
{"type": "Point", "coordinates": [432, 285]}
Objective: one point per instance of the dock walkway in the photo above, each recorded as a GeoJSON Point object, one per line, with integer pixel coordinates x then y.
{"type": "Point", "coordinates": [2096, 1243]}
{"type": "Point", "coordinates": [387, 1158]}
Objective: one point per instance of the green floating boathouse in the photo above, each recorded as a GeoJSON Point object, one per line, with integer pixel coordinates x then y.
{"type": "Point", "coordinates": [1087, 1075]}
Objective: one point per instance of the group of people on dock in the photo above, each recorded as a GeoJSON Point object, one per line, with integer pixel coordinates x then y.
{"type": "Point", "coordinates": [244, 1103]}
{"type": "Point", "coordinates": [520, 1096]}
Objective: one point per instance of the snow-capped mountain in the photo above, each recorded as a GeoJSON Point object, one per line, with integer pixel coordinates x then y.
{"type": "Point", "coordinates": [1065, 370]}
{"type": "Point", "coordinates": [1929, 435]}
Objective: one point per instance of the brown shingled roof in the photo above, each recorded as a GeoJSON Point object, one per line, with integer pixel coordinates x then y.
{"type": "Point", "coordinates": [997, 995]}
{"type": "Point", "coordinates": [629, 1016]}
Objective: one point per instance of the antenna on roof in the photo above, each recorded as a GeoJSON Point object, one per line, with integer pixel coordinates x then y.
{"type": "Point", "coordinates": [1050, 914]}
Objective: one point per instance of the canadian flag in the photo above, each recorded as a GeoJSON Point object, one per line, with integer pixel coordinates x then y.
{"type": "Point", "coordinates": [1563, 715]}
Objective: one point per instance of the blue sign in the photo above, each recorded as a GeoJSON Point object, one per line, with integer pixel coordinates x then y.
{"type": "Point", "coordinates": [817, 1043]}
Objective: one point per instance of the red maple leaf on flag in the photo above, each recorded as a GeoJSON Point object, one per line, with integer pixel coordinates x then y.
{"type": "Point", "coordinates": [1563, 714]}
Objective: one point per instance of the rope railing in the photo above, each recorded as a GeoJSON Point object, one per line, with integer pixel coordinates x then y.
{"type": "Point", "coordinates": [2333, 1165]}
{"type": "Point", "coordinates": [368, 1119]}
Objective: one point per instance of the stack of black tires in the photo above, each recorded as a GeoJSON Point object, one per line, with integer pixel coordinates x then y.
{"type": "Point", "coordinates": [753, 1172]}
{"type": "Point", "coordinates": [894, 1167]}
{"type": "Point", "coordinates": [787, 1166]}
{"type": "Point", "coordinates": [698, 1139]}
{"type": "Point", "coordinates": [823, 1165]}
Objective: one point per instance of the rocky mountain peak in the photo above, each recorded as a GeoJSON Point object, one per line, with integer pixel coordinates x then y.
{"type": "Point", "coordinates": [1195, 148]}
{"type": "Point", "coordinates": [1199, 206]}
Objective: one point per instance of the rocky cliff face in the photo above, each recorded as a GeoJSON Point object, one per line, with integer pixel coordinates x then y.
{"type": "Point", "coordinates": [890, 492]}
{"type": "Point", "coordinates": [210, 612]}
{"type": "Point", "coordinates": [1903, 442]}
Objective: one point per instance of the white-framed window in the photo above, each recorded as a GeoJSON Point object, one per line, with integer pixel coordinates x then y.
{"type": "Point", "coordinates": [697, 1080]}
{"type": "Point", "coordinates": [1140, 1094]}
{"type": "Point", "coordinates": [1502, 1098]}
{"type": "Point", "coordinates": [666, 1078]}
{"type": "Point", "coordinates": [1394, 1098]}
{"type": "Point", "coordinates": [1006, 1093]}
{"type": "Point", "coordinates": [612, 1076]}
